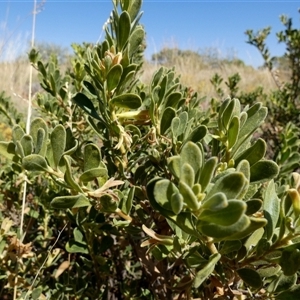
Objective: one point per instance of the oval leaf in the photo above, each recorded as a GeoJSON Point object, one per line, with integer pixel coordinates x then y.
{"type": "Point", "coordinates": [91, 174]}
{"type": "Point", "coordinates": [131, 101]}
{"type": "Point", "coordinates": [166, 119]}
{"type": "Point", "coordinates": [263, 170]}
{"type": "Point", "coordinates": [86, 104]}
{"type": "Point", "coordinates": [35, 162]}
{"type": "Point", "coordinates": [113, 77]}
{"type": "Point", "coordinates": [163, 191]}
{"type": "Point", "coordinates": [123, 29]}
{"type": "Point", "coordinates": [64, 202]}
{"type": "Point", "coordinates": [251, 277]}
{"type": "Point", "coordinates": [226, 216]}
{"type": "Point", "coordinates": [58, 144]}
{"type": "Point", "coordinates": [220, 232]}
{"type": "Point", "coordinates": [207, 270]}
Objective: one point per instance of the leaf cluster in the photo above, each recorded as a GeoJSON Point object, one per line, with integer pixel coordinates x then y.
{"type": "Point", "coordinates": [137, 192]}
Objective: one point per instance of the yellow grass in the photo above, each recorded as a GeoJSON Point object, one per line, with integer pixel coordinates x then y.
{"type": "Point", "coordinates": [194, 73]}
{"type": "Point", "coordinates": [197, 76]}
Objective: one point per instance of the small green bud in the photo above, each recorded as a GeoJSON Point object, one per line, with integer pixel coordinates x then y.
{"type": "Point", "coordinates": [197, 188]}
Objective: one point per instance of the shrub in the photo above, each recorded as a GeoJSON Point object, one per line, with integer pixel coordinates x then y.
{"type": "Point", "coordinates": [135, 192]}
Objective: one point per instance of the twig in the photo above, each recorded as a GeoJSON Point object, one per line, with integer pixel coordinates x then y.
{"type": "Point", "coordinates": [44, 262]}
{"type": "Point", "coordinates": [27, 131]}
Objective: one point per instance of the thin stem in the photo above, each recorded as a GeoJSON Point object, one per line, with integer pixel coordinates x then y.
{"type": "Point", "coordinates": [29, 108]}
{"type": "Point", "coordinates": [211, 246]}
{"type": "Point", "coordinates": [43, 264]}
{"type": "Point", "coordinates": [28, 121]}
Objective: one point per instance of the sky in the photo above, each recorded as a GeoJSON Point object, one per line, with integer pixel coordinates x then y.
{"type": "Point", "coordinates": [196, 25]}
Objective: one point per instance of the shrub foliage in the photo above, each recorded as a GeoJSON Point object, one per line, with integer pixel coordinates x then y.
{"type": "Point", "coordinates": [136, 192]}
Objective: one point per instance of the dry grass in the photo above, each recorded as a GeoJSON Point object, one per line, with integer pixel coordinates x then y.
{"type": "Point", "coordinates": [194, 73]}
{"type": "Point", "coordinates": [14, 67]}
{"type": "Point", "coordinates": [14, 81]}
{"type": "Point", "coordinates": [197, 75]}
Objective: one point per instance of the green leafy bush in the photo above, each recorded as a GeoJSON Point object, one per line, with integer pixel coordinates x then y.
{"type": "Point", "coordinates": [135, 192]}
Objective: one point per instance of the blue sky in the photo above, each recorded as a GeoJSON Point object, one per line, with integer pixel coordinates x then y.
{"type": "Point", "coordinates": [187, 24]}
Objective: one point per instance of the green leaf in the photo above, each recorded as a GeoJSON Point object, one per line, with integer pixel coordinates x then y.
{"type": "Point", "coordinates": [91, 174]}
{"type": "Point", "coordinates": [68, 177]}
{"type": "Point", "coordinates": [135, 40]}
{"type": "Point", "coordinates": [91, 157]}
{"type": "Point", "coordinates": [41, 142]}
{"type": "Point", "coordinates": [250, 277]}
{"type": "Point", "coordinates": [222, 109]}
{"type": "Point", "coordinates": [173, 99]}
{"type": "Point", "coordinates": [244, 167]}
{"type": "Point", "coordinates": [86, 104]}
{"type": "Point", "coordinates": [163, 191]}
{"type": "Point", "coordinates": [284, 283]}
{"type": "Point", "coordinates": [264, 170]}
{"type": "Point", "coordinates": [131, 101]}
{"type": "Point", "coordinates": [187, 174]}
{"type": "Point", "coordinates": [292, 294]}
{"type": "Point", "coordinates": [253, 206]}
{"type": "Point", "coordinates": [113, 77]}
{"type": "Point", "coordinates": [191, 154]}
{"type": "Point", "coordinates": [177, 201]}
{"type": "Point", "coordinates": [250, 125]}
{"type": "Point", "coordinates": [64, 202]}
{"type": "Point", "coordinates": [58, 144]}
{"type": "Point", "coordinates": [156, 78]}
{"type": "Point", "coordinates": [17, 133]}
{"type": "Point", "coordinates": [220, 232]}
{"type": "Point", "coordinates": [19, 149]}
{"type": "Point", "coordinates": [197, 134]}
{"type": "Point", "coordinates": [226, 216]}
{"type": "Point", "coordinates": [231, 185]}
{"type": "Point", "coordinates": [186, 221]}
{"type": "Point", "coordinates": [230, 246]}
{"type": "Point", "coordinates": [217, 202]}
{"type": "Point", "coordinates": [183, 122]}
{"type": "Point", "coordinates": [108, 203]}
{"type": "Point", "coordinates": [206, 270]}
{"type": "Point", "coordinates": [123, 29]}
{"type": "Point", "coordinates": [254, 153]}
{"type": "Point", "coordinates": [195, 260]}
{"type": "Point", "coordinates": [271, 207]}
{"type": "Point", "coordinates": [231, 110]}
{"type": "Point", "coordinates": [134, 8]}
{"type": "Point", "coordinates": [188, 195]}
{"type": "Point", "coordinates": [7, 149]}
{"type": "Point", "coordinates": [78, 236]}
{"type": "Point", "coordinates": [35, 127]}
{"type": "Point", "coordinates": [36, 293]}
{"type": "Point", "coordinates": [35, 162]}
{"type": "Point", "coordinates": [166, 119]}
{"type": "Point", "coordinates": [207, 172]}
{"type": "Point", "coordinates": [290, 262]}
{"type": "Point", "coordinates": [174, 164]}
{"type": "Point", "coordinates": [75, 247]}
{"type": "Point", "coordinates": [27, 144]}
{"type": "Point", "coordinates": [268, 271]}
{"type": "Point", "coordinates": [255, 223]}
{"type": "Point", "coordinates": [254, 238]}
{"type": "Point", "coordinates": [129, 200]}
{"type": "Point", "coordinates": [233, 132]}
